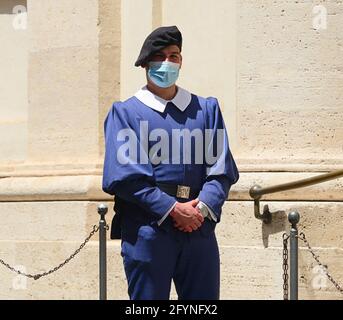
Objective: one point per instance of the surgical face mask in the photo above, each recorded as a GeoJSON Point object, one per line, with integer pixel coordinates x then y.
{"type": "Point", "coordinates": [163, 73]}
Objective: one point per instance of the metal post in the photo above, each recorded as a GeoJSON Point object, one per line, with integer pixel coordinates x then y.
{"type": "Point", "coordinates": [102, 210]}
{"type": "Point", "coordinates": [293, 218]}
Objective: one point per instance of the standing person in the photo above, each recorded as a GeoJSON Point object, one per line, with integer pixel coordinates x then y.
{"type": "Point", "coordinates": [169, 166]}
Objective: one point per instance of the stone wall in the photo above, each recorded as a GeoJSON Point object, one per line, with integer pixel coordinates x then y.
{"type": "Point", "coordinates": [279, 83]}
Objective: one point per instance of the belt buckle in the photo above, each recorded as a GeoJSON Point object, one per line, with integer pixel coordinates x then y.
{"type": "Point", "coordinates": [183, 192]}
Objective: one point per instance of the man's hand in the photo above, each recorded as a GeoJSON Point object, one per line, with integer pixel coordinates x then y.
{"type": "Point", "coordinates": [187, 218]}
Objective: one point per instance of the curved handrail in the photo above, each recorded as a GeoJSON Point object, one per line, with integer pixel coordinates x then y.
{"type": "Point", "coordinates": [256, 191]}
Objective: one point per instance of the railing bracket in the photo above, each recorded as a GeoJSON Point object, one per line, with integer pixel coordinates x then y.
{"type": "Point", "coordinates": [266, 216]}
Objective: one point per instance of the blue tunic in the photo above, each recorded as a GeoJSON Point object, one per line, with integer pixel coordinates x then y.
{"type": "Point", "coordinates": [181, 142]}
{"type": "Point", "coordinates": [135, 180]}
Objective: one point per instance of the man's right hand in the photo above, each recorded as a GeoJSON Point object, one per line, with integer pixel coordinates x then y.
{"type": "Point", "coordinates": [186, 217]}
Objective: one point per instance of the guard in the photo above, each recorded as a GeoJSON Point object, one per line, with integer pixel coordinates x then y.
{"type": "Point", "coordinates": [169, 166]}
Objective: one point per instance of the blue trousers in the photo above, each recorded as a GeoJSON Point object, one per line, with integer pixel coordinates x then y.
{"type": "Point", "coordinates": [159, 256]}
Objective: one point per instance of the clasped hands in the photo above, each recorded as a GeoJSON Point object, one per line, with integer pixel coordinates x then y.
{"type": "Point", "coordinates": [186, 216]}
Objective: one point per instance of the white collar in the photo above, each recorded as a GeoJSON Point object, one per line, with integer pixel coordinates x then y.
{"type": "Point", "coordinates": [181, 100]}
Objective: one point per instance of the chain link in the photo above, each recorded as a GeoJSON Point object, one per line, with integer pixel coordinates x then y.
{"type": "Point", "coordinates": [285, 238]}
{"type": "Point", "coordinates": [39, 275]}
{"type": "Point", "coordinates": [324, 267]}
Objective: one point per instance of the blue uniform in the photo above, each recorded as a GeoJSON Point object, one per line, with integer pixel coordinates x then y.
{"type": "Point", "coordinates": [137, 159]}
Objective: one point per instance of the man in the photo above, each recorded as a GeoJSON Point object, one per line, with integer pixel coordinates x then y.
{"type": "Point", "coordinates": [169, 165]}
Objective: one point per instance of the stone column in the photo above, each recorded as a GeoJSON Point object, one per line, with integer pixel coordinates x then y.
{"type": "Point", "coordinates": [13, 84]}
{"type": "Point", "coordinates": [63, 84]}
{"type": "Point", "coordinates": [48, 201]}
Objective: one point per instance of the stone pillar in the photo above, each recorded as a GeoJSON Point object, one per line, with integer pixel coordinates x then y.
{"type": "Point", "coordinates": [49, 200]}
{"type": "Point", "coordinates": [63, 83]}
{"type": "Point", "coordinates": [137, 19]}
{"type": "Point", "coordinates": [13, 84]}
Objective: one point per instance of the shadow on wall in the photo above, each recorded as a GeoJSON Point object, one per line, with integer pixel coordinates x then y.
{"type": "Point", "coordinates": [6, 6]}
{"type": "Point", "coordinates": [280, 224]}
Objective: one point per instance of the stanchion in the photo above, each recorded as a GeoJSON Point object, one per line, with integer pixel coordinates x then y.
{"type": "Point", "coordinates": [293, 218]}
{"type": "Point", "coordinates": [102, 210]}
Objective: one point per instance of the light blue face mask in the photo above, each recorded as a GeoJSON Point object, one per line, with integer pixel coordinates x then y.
{"type": "Point", "coordinates": [163, 73]}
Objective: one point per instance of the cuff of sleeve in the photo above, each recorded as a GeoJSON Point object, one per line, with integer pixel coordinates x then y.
{"type": "Point", "coordinates": [159, 222]}
{"type": "Point", "coordinates": [203, 207]}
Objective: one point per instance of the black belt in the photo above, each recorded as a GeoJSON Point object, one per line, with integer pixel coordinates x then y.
{"type": "Point", "coordinates": [179, 191]}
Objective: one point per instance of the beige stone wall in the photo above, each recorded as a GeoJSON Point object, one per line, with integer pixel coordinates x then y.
{"type": "Point", "coordinates": [13, 85]}
{"type": "Point", "coordinates": [279, 83]}
{"type": "Point", "coordinates": [289, 86]}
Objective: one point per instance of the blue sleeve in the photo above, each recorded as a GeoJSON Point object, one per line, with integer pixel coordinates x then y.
{"type": "Point", "coordinates": [128, 173]}
{"type": "Point", "coordinates": [221, 173]}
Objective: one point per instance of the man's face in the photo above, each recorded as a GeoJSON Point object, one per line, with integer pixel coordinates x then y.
{"type": "Point", "coordinates": [170, 53]}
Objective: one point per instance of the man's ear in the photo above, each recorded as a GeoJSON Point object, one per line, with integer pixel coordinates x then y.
{"type": "Point", "coordinates": [180, 61]}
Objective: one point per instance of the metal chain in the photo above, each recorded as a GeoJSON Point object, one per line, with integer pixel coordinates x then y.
{"type": "Point", "coordinates": [316, 257]}
{"type": "Point", "coordinates": [285, 266]}
{"type": "Point", "coordinates": [39, 275]}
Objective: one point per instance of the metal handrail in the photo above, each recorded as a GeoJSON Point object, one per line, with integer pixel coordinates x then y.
{"type": "Point", "coordinates": [256, 191]}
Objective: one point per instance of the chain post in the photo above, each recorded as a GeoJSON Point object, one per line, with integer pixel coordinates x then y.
{"type": "Point", "coordinates": [293, 218]}
{"type": "Point", "coordinates": [102, 210]}
{"type": "Point", "coordinates": [285, 238]}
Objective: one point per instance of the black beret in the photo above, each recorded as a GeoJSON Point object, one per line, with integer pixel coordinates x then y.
{"type": "Point", "coordinates": [157, 40]}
